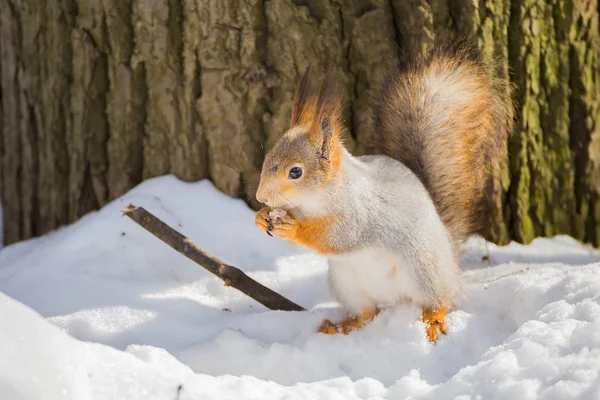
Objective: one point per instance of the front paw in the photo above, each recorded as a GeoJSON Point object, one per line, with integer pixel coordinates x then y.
{"type": "Point", "coordinates": [282, 225]}
{"type": "Point", "coordinates": [276, 222]}
{"type": "Point", "coordinates": [263, 222]}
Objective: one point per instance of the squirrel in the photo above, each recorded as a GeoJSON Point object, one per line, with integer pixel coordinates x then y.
{"type": "Point", "coordinates": [390, 224]}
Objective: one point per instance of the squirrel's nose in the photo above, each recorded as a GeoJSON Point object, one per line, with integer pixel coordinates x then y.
{"type": "Point", "coordinates": [261, 195]}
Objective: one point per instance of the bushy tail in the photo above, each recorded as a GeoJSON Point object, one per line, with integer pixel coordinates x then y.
{"type": "Point", "coordinates": [447, 119]}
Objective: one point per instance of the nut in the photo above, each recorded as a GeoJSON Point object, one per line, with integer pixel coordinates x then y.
{"type": "Point", "coordinates": [277, 215]}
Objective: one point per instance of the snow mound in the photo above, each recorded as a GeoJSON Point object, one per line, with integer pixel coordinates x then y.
{"type": "Point", "coordinates": [120, 315]}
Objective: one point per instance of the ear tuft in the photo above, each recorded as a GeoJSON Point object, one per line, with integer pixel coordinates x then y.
{"type": "Point", "coordinates": [327, 104]}
{"type": "Point", "coordinates": [302, 94]}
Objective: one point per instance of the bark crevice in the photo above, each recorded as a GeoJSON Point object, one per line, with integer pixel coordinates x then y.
{"type": "Point", "coordinates": [97, 95]}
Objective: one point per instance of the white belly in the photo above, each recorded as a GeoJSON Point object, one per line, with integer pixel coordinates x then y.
{"type": "Point", "coordinates": [372, 278]}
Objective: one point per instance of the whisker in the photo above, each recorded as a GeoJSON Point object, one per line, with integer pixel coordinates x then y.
{"type": "Point", "coordinates": [288, 200]}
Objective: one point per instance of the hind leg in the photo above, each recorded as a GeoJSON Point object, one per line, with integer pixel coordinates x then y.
{"type": "Point", "coordinates": [348, 325]}
{"type": "Point", "coordinates": [345, 286]}
{"type": "Point", "coordinates": [435, 321]}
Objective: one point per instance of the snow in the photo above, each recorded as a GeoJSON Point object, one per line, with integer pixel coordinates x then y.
{"type": "Point", "coordinates": [102, 310]}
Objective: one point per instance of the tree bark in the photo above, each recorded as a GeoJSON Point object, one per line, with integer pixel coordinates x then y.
{"type": "Point", "coordinates": [98, 95]}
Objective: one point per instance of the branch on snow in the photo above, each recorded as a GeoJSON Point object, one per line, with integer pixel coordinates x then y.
{"type": "Point", "coordinates": [232, 276]}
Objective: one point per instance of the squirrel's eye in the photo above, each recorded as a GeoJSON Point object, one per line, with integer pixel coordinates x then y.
{"type": "Point", "coordinates": [295, 173]}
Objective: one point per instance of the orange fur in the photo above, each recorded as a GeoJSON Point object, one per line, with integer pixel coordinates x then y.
{"type": "Point", "coordinates": [290, 192]}
{"type": "Point", "coordinates": [335, 160]}
{"type": "Point", "coordinates": [314, 233]}
{"type": "Point", "coordinates": [310, 232]}
{"type": "Point", "coordinates": [310, 114]}
{"type": "Point", "coordinates": [310, 107]}
{"type": "Point", "coordinates": [307, 113]}
{"type": "Point", "coordinates": [435, 321]}
{"type": "Point", "coordinates": [348, 325]}
{"type": "Point", "coordinates": [447, 119]}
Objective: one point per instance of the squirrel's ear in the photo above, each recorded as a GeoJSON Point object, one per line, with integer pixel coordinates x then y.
{"type": "Point", "coordinates": [327, 135]}
{"type": "Point", "coordinates": [302, 94]}
{"type": "Point", "coordinates": [326, 127]}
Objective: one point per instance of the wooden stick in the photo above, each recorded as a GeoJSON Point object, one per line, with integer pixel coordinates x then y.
{"type": "Point", "coordinates": [232, 276]}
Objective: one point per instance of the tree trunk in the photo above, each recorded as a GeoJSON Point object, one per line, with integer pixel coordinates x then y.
{"type": "Point", "coordinates": [97, 95]}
